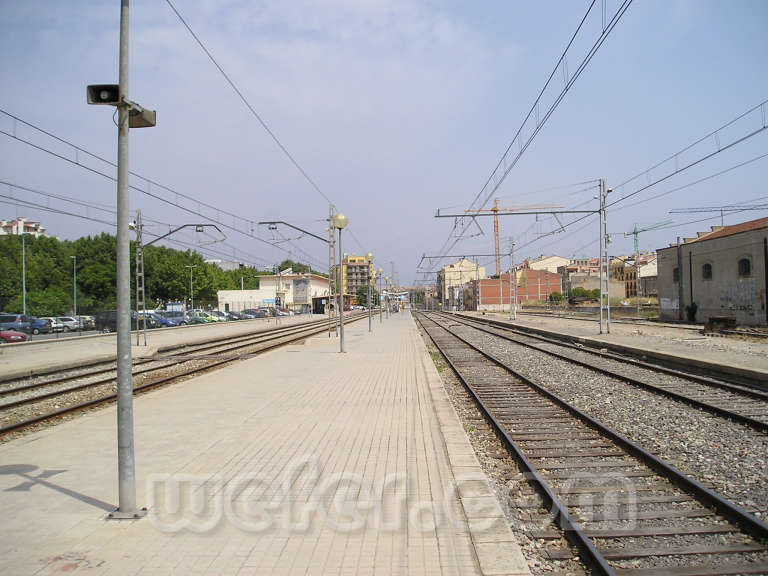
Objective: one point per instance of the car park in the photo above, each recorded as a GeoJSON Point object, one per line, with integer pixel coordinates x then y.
{"type": "Point", "coordinates": [235, 316]}
{"type": "Point", "coordinates": [18, 322]}
{"type": "Point", "coordinates": [68, 323]}
{"type": "Point", "coordinates": [12, 336]}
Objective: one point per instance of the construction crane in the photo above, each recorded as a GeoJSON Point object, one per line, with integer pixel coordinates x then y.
{"type": "Point", "coordinates": [495, 211]}
{"type": "Point", "coordinates": [636, 232]}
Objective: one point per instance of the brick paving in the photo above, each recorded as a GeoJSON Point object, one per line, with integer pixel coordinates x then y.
{"type": "Point", "coordinates": [300, 461]}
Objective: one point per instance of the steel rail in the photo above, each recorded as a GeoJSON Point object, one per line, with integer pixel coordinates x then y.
{"type": "Point", "coordinates": [748, 522]}
{"type": "Point", "coordinates": [206, 345]}
{"type": "Point", "coordinates": [741, 418]}
{"type": "Point", "coordinates": [573, 532]}
{"type": "Point", "coordinates": [299, 335]}
{"type": "Point", "coordinates": [561, 339]}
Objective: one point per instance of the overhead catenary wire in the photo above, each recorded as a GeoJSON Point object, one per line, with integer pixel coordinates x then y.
{"type": "Point", "coordinates": [485, 193]}
{"type": "Point", "coordinates": [112, 212]}
{"type": "Point", "coordinates": [76, 162]}
{"type": "Point", "coordinates": [248, 104]}
{"type": "Point", "coordinates": [258, 116]}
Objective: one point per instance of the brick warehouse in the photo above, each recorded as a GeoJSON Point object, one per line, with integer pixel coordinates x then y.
{"type": "Point", "coordinates": [531, 285]}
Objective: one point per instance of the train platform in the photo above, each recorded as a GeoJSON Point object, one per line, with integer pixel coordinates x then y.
{"type": "Point", "coordinates": [298, 461]}
{"type": "Point", "coordinates": [749, 357]}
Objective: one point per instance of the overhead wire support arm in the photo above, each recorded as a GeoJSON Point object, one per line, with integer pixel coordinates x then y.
{"type": "Point", "coordinates": [308, 233]}
{"type": "Point", "coordinates": [197, 227]}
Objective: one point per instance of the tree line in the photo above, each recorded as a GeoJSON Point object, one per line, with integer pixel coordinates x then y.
{"type": "Point", "coordinates": [50, 275]}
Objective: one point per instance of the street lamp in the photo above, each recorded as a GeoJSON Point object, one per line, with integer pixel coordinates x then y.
{"type": "Point", "coordinates": [369, 259]}
{"type": "Point", "coordinates": [379, 272]}
{"type": "Point", "coordinates": [74, 289]}
{"type": "Point", "coordinates": [340, 222]}
{"type": "Point", "coordinates": [191, 294]}
{"type": "Point", "coordinates": [386, 284]}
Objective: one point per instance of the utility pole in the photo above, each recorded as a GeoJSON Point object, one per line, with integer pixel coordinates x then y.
{"type": "Point", "coordinates": [512, 282]}
{"type": "Point", "coordinates": [130, 115]}
{"type": "Point", "coordinates": [23, 272]}
{"type": "Point", "coordinates": [74, 287]}
{"type": "Point", "coordinates": [140, 295]}
{"type": "Point", "coordinates": [331, 268]}
{"type": "Point", "coordinates": [191, 293]}
{"type": "Point", "coordinates": [126, 465]}
{"type": "Point", "coordinates": [605, 268]}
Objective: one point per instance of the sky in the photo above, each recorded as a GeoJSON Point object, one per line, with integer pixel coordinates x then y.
{"type": "Point", "coordinates": [393, 109]}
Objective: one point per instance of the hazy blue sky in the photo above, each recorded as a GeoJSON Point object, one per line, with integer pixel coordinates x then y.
{"type": "Point", "coordinates": [394, 108]}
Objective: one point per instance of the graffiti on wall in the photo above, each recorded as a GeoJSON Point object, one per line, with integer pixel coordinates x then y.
{"type": "Point", "coordinates": [739, 296]}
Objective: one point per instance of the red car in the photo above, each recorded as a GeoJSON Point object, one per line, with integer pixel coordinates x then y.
{"type": "Point", "coordinates": [10, 336]}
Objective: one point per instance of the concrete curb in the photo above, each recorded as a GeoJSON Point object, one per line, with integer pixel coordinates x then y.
{"type": "Point", "coordinates": [496, 547]}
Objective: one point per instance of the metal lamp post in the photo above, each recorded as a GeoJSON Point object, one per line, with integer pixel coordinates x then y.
{"type": "Point", "coordinates": [74, 289]}
{"type": "Point", "coordinates": [340, 222]}
{"type": "Point", "coordinates": [369, 259]}
{"type": "Point", "coordinates": [379, 272]}
{"type": "Point", "coordinates": [386, 284]}
{"type": "Point", "coordinates": [191, 294]}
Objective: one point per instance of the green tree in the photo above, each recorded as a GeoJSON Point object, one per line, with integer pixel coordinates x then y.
{"type": "Point", "coordinates": [362, 296]}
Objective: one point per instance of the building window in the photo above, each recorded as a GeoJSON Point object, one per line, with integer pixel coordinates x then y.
{"type": "Point", "coordinates": [706, 271]}
{"type": "Point", "coordinates": [676, 275]}
{"type": "Point", "coordinates": [745, 267]}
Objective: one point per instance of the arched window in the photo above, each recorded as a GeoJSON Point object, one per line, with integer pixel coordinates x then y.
{"type": "Point", "coordinates": [745, 267]}
{"type": "Point", "coordinates": [706, 271]}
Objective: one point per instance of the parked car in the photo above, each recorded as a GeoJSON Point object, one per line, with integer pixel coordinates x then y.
{"type": "Point", "coordinates": [106, 320]}
{"type": "Point", "coordinates": [285, 312]}
{"type": "Point", "coordinates": [86, 322]}
{"type": "Point", "coordinates": [69, 323]}
{"type": "Point", "coordinates": [162, 321]}
{"type": "Point", "coordinates": [179, 316]}
{"type": "Point", "coordinates": [56, 326]}
{"type": "Point", "coordinates": [256, 312]}
{"type": "Point", "coordinates": [236, 316]}
{"type": "Point", "coordinates": [17, 322]}
{"type": "Point", "coordinates": [12, 336]}
{"type": "Point", "coordinates": [222, 316]}
{"type": "Point", "coordinates": [40, 326]}
{"type": "Point", "coordinates": [199, 317]}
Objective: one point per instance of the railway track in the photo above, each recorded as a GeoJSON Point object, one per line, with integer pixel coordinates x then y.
{"type": "Point", "coordinates": [24, 403]}
{"type": "Point", "coordinates": [740, 403]}
{"type": "Point", "coordinates": [623, 510]}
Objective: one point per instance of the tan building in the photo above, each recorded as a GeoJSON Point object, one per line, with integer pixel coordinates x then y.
{"type": "Point", "coordinates": [550, 263]}
{"type": "Point", "coordinates": [452, 277]}
{"type": "Point", "coordinates": [719, 273]}
{"type": "Point", "coordinates": [356, 271]}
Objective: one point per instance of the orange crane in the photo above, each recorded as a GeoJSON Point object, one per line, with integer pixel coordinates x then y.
{"type": "Point", "coordinates": [495, 210]}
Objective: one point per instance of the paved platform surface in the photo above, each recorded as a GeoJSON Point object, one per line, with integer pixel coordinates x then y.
{"type": "Point", "coordinates": [686, 343]}
{"type": "Point", "coordinates": [300, 461]}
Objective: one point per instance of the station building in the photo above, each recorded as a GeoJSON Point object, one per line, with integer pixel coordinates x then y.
{"type": "Point", "coordinates": [720, 273]}
{"type": "Point", "coordinates": [294, 291]}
